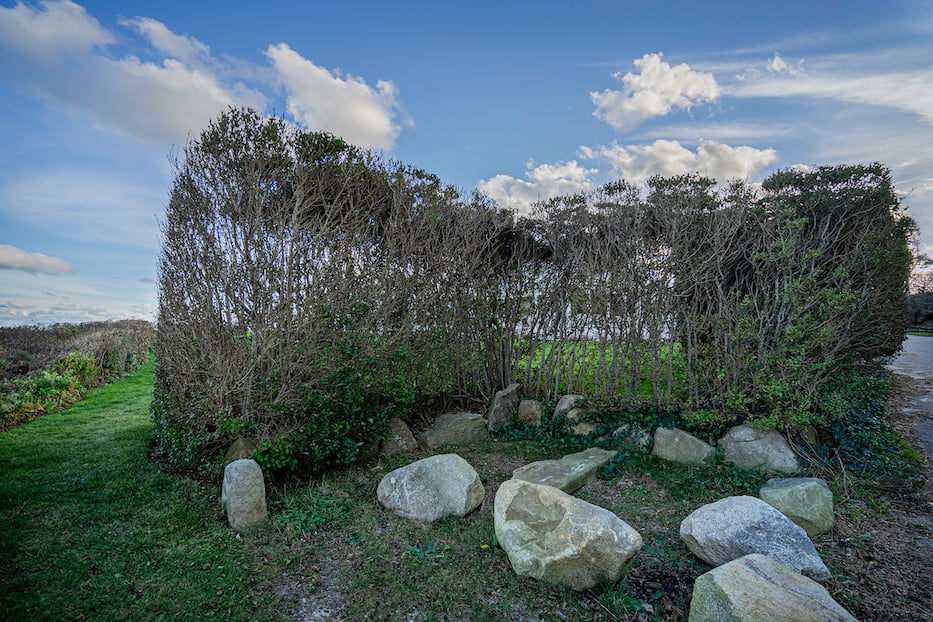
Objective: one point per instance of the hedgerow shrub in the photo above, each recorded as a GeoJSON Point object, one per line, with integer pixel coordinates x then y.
{"type": "Point", "coordinates": [309, 290]}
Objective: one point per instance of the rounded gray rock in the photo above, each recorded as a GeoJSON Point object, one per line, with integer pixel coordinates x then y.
{"type": "Point", "coordinates": [807, 501]}
{"type": "Point", "coordinates": [432, 488]}
{"type": "Point", "coordinates": [763, 450]}
{"type": "Point", "coordinates": [675, 445]}
{"type": "Point", "coordinates": [734, 527]}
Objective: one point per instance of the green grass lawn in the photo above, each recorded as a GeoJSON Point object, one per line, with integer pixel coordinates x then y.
{"type": "Point", "coordinates": [92, 529]}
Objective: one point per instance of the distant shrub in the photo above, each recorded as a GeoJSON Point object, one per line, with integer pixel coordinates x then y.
{"type": "Point", "coordinates": [48, 368]}
{"type": "Point", "coordinates": [80, 366]}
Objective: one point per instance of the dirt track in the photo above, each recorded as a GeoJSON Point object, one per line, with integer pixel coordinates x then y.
{"type": "Point", "coordinates": [916, 361]}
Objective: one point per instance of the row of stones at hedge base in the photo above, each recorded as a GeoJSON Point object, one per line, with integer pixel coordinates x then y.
{"type": "Point", "coordinates": [766, 566]}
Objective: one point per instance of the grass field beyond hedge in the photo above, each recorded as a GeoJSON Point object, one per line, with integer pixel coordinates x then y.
{"type": "Point", "coordinates": [92, 529]}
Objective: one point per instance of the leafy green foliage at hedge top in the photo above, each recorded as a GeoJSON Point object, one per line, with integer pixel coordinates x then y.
{"type": "Point", "coordinates": [28, 390]}
{"type": "Point", "coordinates": [309, 289]}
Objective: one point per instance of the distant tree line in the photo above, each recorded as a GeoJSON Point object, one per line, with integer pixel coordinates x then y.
{"type": "Point", "coordinates": [309, 290]}
{"type": "Point", "coordinates": [46, 368]}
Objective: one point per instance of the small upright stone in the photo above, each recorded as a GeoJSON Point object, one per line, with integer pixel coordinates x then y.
{"type": "Point", "coordinates": [456, 429]}
{"type": "Point", "coordinates": [675, 445]}
{"type": "Point", "coordinates": [530, 412]}
{"type": "Point", "coordinates": [400, 439]}
{"type": "Point", "coordinates": [807, 501]}
{"type": "Point", "coordinates": [243, 494]}
{"type": "Point", "coordinates": [504, 407]}
{"type": "Point", "coordinates": [763, 450]}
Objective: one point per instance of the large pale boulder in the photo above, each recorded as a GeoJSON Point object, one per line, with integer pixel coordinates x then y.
{"type": "Point", "coordinates": [456, 429]}
{"type": "Point", "coordinates": [733, 527]}
{"type": "Point", "coordinates": [569, 473]}
{"type": "Point", "coordinates": [400, 440]}
{"type": "Point", "coordinates": [504, 407]}
{"type": "Point", "coordinates": [530, 412]}
{"type": "Point", "coordinates": [675, 445]}
{"type": "Point", "coordinates": [432, 488]}
{"type": "Point", "coordinates": [807, 501]}
{"type": "Point", "coordinates": [763, 450]}
{"type": "Point", "coordinates": [755, 588]}
{"type": "Point", "coordinates": [557, 538]}
{"type": "Point", "coordinates": [243, 494]}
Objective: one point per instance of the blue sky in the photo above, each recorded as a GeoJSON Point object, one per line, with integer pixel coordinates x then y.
{"type": "Point", "coordinates": [523, 100]}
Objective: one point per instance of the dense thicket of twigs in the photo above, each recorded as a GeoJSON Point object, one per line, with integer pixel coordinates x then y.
{"type": "Point", "coordinates": [309, 289]}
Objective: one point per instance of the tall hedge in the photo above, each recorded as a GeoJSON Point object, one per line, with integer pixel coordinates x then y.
{"type": "Point", "coordinates": [310, 289]}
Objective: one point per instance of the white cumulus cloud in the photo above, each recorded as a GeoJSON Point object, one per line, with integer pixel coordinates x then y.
{"type": "Point", "coordinates": [51, 33]}
{"type": "Point", "coordinates": [656, 90]}
{"type": "Point", "coordinates": [343, 105]}
{"type": "Point", "coordinates": [13, 258]}
{"type": "Point", "coordinates": [541, 183]}
{"type": "Point", "coordinates": [779, 65]}
{"type": "Point", "coordinates": [715, 160]}
{"type": "Point", "coordinates": [51, 51]}
{"type": "Point", "coordinates": [61, 55]}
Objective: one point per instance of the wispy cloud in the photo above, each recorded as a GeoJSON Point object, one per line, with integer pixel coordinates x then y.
{"type": "Point", "coordinates": [182, 47]}
{"type": "Point", "coordinates": [731, 132]}
{"type": "Point", "coordinates": [12, 314]}
{"type": "Point", "coordinates": [86, 206]}
{"type": "Point", "coordinates": [43, 298]}
{"type": "Point", "coordinates": [907, 90]}
{"type": "Point", "coordinates": [655, 91]}
{"type": "Point", "coordinates": [13, 258]}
